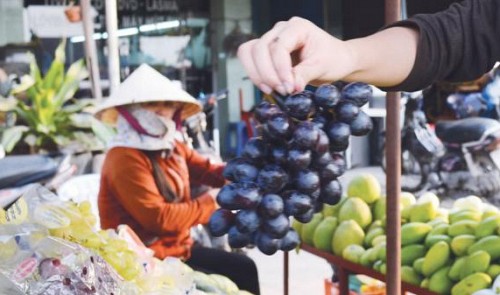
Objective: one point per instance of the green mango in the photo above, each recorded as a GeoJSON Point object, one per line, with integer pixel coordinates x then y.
{"type": "Point", "coordinates": [489, 244]}
{"type": "Point", "coordinates": [463, 227]}
{"type": "Point", "coordinates": [493, 270]}
{"type": "Point", "coordinates": [488, 226]}
{"type": "Point", "coordinates": [476, 262]}
{"type": "Point", "coordinates": [348, 233]}
{"type": "Point", "coordinates": [372, 234]}
{"type": "Point", "coordinates": [437, 257]}
{"type": "Point", "coordinates": [410, 276]}
{"type": "Point", "coordinates": [323, 234]}
{"type": "Point", "coordinates": [456, 269]}
{"type": "Point", "coordinates": [431, 240]}
{"type": "Point", "coordinates": [439, 282]}
{"type": "Point", "coordinates": [414, 232]}
{"type": "Point", "coordinates": [417, 264]}
{"type": "Point", "coordinates": [471, 284]}
{"type": "Point", "coordinates": [466, 214]}
{"type": "Point", "coordinates": [460, 244]}
{"type": "Point", "coordinates": [411, 253]}
{"type": "Point", "coordinates": [308, 229]}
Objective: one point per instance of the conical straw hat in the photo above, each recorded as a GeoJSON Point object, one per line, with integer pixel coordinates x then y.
{"type": "Point", "coordinates": [146, 84]}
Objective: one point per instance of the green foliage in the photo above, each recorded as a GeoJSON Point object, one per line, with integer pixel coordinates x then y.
{"type": "Point", "coordinates": [47, 114]}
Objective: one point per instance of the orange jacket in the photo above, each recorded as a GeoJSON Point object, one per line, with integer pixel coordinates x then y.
{"type": "Point", "coordinates": [128, 195]}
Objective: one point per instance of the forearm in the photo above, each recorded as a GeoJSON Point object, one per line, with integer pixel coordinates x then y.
{"type": "Point", "coordinates": [385, 58]}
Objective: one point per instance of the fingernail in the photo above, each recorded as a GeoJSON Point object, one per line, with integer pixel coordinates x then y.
{"type": "Point", "coordinates": [281, 89]}
{"type": "Point", "coordinates": [266, 89]}
{"type": "Point", "coordinates": [288, 86]}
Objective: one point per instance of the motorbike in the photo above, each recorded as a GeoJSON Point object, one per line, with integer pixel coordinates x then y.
{"type": "Point", "coordinates": [454, 157]}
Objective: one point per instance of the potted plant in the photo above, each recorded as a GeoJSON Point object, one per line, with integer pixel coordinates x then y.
{"type": "Point", "coordinates": [47, 117]}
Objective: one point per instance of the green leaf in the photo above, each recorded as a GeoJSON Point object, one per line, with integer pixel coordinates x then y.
{"type": "Point", "coordinates": [78, 105]}
{"type": "Point", "coordinates": [27, 114]}
{"type": "Point", "coordinates": [81, 120]}
{"type": "Point", "coordinates": [55, 75]}
{"type": "Point", "coordinates": [34, 70]}
{"type": "Point", "coordinates": [11, 136]}
{"type": "Point", "coordinates": [76, 73]}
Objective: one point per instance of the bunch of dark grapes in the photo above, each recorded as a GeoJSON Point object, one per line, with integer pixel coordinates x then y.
{"type": "Point", "coordinates": [291, 168]}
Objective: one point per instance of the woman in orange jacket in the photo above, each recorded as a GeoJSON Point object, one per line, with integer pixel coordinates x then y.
{"type": "Point", "coordinates": [145, 179]}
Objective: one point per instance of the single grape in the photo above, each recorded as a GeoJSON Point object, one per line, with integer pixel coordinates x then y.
{"type": "Point", "coordinates": [361, 125]}
{"type": "Point", "coordinates": [255, 149]}
{"type": "Point", "coordinates": [297, 203]}
{"type": "Point", "coordinates": [272, 178]}
{"type": "Point", "coordinates": [299, 159]}
{"type": "Point", "coordinates": [271, 206]}
{"type": "Point", "coordinates": [305, 217]}
{"type": "Point", "coordinates": [267, 244]}
{"type": "Point", "coordinates": [228, 172]}
{"type": "Point", "coordinates": [278, 127]}
{"type": "Point", "coordinates": [338, 133]}
{"type": "Point", "coordinates": [225, 197]}
{"type": "Point", "coordinates": [307, 181]}
{"type": "Point", "coordinates": [247, 221]}
{"type": "Point", "coordinates": [220, 222]}
{"type": "Point", "coordinates": [300, 106]}
{"type": "Point", "coordinates": [277, 227]}
{"type": "Point", "coordinates": [247, 196]}
{"type": "Point", "coordinates": [305, 135]}
{"type": "Point", "coordinates": [242, 171]}
{"type": "Point", "coordinates": [346, 111]}
{"type": "Point", "coordinates": [237, 239]}
{"type": "Point", "coordinates": [335, 168]}
{"type": "Point", "coordinates": [331, 192]}
{"type": "Point", "coordinates": [290, 241]}
{"type": "Point", "coordinates": [266, 110]}
{"type": "Point", "coordinates": [357, 92]}
{"type": "Point", "coordinates": [326, 96]}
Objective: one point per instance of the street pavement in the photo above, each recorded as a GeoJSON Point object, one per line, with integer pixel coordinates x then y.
{"type": "Point", "coordinates": [307, 272]}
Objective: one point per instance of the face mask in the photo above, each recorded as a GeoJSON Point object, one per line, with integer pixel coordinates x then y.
{"type": "Point", "coordinates": [146, 130]}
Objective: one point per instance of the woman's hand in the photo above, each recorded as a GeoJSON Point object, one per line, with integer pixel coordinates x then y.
{"type": "Point", "coordinates": [295, 53]}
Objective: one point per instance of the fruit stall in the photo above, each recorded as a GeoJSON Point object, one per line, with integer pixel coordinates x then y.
{"type": "Point", "coordinates": [291, 172]}
{"type": "Point", "coordinates": [50, 246]}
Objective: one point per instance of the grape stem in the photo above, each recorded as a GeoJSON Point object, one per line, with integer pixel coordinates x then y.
{"type": "Point", "coordinates": [279, 99]}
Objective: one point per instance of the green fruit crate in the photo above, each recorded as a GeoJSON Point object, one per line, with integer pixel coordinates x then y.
{"type": "Point", "coordinates": [345, 268]}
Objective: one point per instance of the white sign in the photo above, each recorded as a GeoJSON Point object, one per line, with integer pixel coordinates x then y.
{"type": "Point", "coordinates": [51, 22]}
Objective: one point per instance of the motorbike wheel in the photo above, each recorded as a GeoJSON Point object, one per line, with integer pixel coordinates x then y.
{"type": "Point", "coordinates": [413, 176]}
{"type": "Point", "coordinates": [488, 183]}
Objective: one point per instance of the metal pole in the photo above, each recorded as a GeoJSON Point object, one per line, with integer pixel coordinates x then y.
{"type": "Point", "coordinates": [285, 272]}
{"type": "Point", "coordinates": [393, 176]}
{"type": "Point", "coordinates": [90, 50]}
{"type": "Point", "coordinates": [113, 53]}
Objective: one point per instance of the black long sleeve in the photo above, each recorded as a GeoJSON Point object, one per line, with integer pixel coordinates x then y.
{"type": "Point", "coordinates": [457, 44]}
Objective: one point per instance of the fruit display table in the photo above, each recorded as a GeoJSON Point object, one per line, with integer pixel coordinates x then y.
{"type": "Point", "coordinates": [345, 268]}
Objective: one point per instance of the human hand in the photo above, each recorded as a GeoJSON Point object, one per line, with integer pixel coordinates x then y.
{"type": "Point", "coordinates": [295, 53]}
